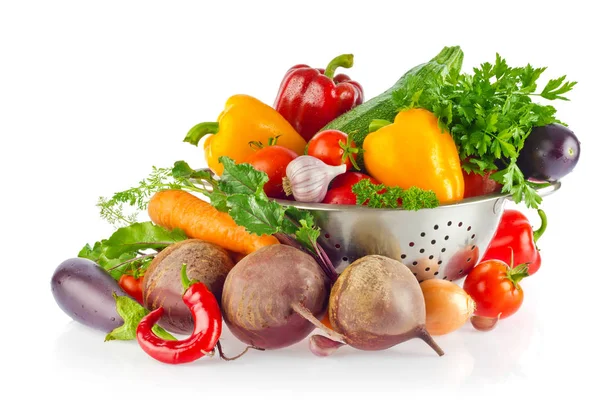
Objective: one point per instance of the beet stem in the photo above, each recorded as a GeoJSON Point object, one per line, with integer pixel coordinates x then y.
{"type": "Point", "coordinates": [224, 357]}
{"type": "Point", "coordinates": [320, 256]}
{"type": "Point", "coordinates": [306, 314]}
{"type": "Point", "coordinates": [426, 337]}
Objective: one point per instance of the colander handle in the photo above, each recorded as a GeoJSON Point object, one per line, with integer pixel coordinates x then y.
{"type": "Point", "coordinates": [548, 188]}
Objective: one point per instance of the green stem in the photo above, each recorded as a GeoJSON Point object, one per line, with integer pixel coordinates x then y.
{"type": "Point", "coordinates": [185, 281]}
{"type": "Point", "coordinates": [345, 61]}
{"type": "Point", "coordinates": [537, 234]}
{"type": "Point", "coordinates": [377, 124]}
{"type": "Point", "coordinates": [200, 130]}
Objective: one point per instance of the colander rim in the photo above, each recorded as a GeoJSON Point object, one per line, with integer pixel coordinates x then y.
{"type": "Point", "coordinates": [544, 191]}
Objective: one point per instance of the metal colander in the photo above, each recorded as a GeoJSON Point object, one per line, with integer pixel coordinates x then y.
{"type": "Point", "coordinates": [444, 242]}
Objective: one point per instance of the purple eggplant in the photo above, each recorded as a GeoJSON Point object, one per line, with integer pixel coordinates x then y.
{"type": "Point", "coordinates": [550, 152]}
{"type": "Point", "coordinates": [84, 291]}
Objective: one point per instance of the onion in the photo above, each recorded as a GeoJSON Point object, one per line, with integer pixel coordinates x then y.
{"type": "Point", "coordinates": [447, 306]}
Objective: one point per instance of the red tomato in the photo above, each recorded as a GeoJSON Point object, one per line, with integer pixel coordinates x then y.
{"type": "Point", "coordinates": [479, 185]}
{"type": "Point", "coordinates": [349, 179]}
{"type": "Point", "coordinates": [132, 287]}
{"type": "Point", "coordinates": [340, 195]}
{"type": "Point", "coordinates": [332, 148]}
{"type": "Point", "coordinates": [273, 160]}
{"type": "Point", "coordinates": [495, 288]}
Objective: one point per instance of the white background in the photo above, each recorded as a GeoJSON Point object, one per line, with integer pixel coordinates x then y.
{"type": "Point", "coordinates": [93, 94]}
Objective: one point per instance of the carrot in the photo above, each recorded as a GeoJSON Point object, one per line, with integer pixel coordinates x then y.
{"type": "Point", "coordinates": [199, 220]}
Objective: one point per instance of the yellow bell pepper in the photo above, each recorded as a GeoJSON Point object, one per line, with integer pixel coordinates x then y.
{"type": "Point", "coordinates": [414, 151]}
{"type": "Point", "coordinates": [244, 119]}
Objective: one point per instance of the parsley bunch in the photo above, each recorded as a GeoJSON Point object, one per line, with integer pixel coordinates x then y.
{"type": "Point", "coordinates": [490, 114]}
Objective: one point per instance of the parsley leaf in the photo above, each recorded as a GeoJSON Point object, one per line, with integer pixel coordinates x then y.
{"type": "Point", "coordinates": [381, 196]}
{"type": "Point", "coordinates": [490, 114]}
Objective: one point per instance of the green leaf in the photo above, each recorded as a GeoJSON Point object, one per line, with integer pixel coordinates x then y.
{"type": "Point", "coordinates": [240, 178]}
{"type": "Point", "coordinates": [181, 169]}
{"type": "Point", "coordinates": [132, 313]}
{"type": "Point", "coordinates": [307, 234]}
{"type": "Point", "coordinates": [259, 216]}
{"type": "Point", "coordinates": [140, 236]}
{"type": "Point", "coordinates": [555, 88]}
{"type": "Point", "coordinates": [218, 200]}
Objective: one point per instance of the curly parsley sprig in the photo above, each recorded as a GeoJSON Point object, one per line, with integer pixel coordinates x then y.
{"type": "Point", "coordinates": [490, 114]}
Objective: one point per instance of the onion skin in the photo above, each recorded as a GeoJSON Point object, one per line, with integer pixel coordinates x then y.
{"type": "Point", "coordinates": [448, 306]}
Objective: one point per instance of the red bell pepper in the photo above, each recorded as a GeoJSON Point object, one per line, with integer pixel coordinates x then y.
{"type": "Point", "coordinates": [515, 235]}
{"type": "Point", "coordinates": [310, 98]}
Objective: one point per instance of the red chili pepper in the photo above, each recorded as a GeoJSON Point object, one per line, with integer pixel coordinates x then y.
{"type": "Point", "coordinates": [515, 232]}
{"type": "Point", "coordinates": [207, 327]}
{"type": "Point", "coordinates": [310, 98]}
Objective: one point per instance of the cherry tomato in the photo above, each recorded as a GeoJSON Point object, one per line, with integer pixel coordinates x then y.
{"type": "Point", "coordinates": [273, 160]}
{"type": "Point", "coordinates": [349, 179]}
{"type": "Point", "coordinates": [332, 148]}
{"type": "Point", "coordinates": [132, 286]}
{"type": "Point", "coordinates": [495, 288]}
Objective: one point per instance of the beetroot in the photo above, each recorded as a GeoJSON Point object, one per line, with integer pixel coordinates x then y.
{"type": "Point", "coordinates": [271, 294]}
{"type": "Point", "coordinates": [377, 303]}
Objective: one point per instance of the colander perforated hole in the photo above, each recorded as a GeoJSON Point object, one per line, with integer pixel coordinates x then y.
{"type": "Point", "coordinates": [460, 272]}
{"type": "Point", "coordinates": [440, 262]}
{"type": "Point", "coordinates": [449, 223]}
{"type": "Point", "coordinates": [431, 257]}
{"type": "Point", "coordinates": [337, 246]}
{"type": "Point", "coordinates": [443, 249]}
{"type": "Point", "coordinates": [422, 251]}
{"type": "Point", "coordinates": [327, 236]}
{"type": "Point", "coordinates": [436, 227]}
{"type": "Point", "coordinates": [422, 234]}
{"type": "Point", "coordinates": [411, 244]}
{"type": "Point", "coordinates": [460, 224]}
{"type": "Point", "coordinates": [433, 242]}
{"type": "Point", "coordinates": [469, 228]}
{"type": "Point", "coordinates": [344, 258]}
{"type": "Point", "coordinates": [427, 269]}
{"type": "Point", "coordinates": [468, 259]}
{"type": "Point", "coordinates": [446, 237]}
{"type": "Point", "coordinates": [436, 273]}
{"type": "Point", "coordinates": [445, 277]}
{"type": "Point", "coordinates": [473, 247]}
{"type": "Point", "coordinates": [415, 262]}
{"type": "Point", "coordinates": [403, 256]}
{"type": "Point", "coordinates": [473, 236]}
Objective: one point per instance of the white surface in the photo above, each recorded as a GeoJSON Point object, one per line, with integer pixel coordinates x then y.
{"type": "Point", "coordinates": [93, 95]}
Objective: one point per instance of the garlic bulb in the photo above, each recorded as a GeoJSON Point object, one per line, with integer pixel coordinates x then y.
{"type": "Point", "coordinates": [308, 178]}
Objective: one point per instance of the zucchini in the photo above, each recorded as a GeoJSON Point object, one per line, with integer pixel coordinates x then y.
{"type": "Point", "coordinates": [357, 120]}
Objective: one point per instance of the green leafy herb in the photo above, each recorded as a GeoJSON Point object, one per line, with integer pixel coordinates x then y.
{"type": "Point", "coordinates": [258, 215]}
{"type": "Point", "coordinates": [132, 313]}
{"type": "Point", "coordinates": [122, 251]}
{"type": "Point", "coordinates": [181, 176]}
{"type": "Point", "coordinates": [381, 196]}
{"type": "Point", "coordinates": [240, 178]}
{"type": "Point", "coordinates": [489, 114]}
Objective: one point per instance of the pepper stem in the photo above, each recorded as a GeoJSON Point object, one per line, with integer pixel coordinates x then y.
{"type": "Point", "coordinates": [199, 131]}
{"type": "Point", "coordinates": [349, 150]}
{"type": "Point", "coordinates": [185, 281]}
{"type": "Point", "coordinates": [344, 61]}
{"type": "Point", "coordinates": [377, 124]}
{"type": "Point", "coordinates": [537, 234]}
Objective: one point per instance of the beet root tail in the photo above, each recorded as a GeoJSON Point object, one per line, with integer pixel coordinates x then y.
{"type": "Point", "coordinates": [426, 337]}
